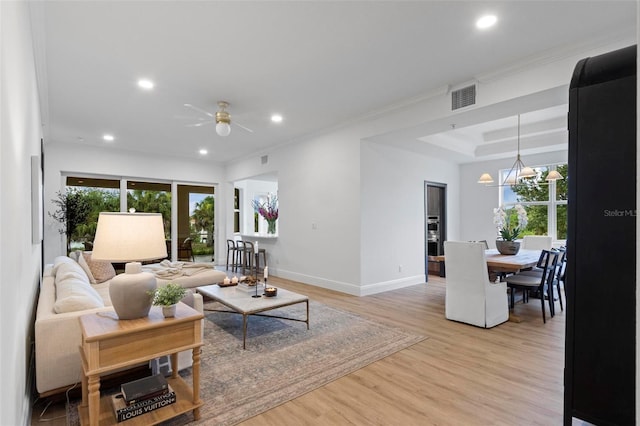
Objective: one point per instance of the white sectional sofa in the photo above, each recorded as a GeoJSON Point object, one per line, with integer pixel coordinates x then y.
{"type": "Point", "coordinates": [66, 293]}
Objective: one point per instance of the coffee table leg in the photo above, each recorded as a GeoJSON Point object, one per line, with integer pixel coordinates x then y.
{"type": "Point", "coordinates": [244, 331]}
{"type": "Point", "coordinates": [307, 314]}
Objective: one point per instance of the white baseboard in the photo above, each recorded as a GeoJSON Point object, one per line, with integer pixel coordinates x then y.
{"type": "Point", "coordinates": [351, 288]}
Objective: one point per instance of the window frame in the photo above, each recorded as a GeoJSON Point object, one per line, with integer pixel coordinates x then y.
{"type": "Point", "coordinates": [552, 203]}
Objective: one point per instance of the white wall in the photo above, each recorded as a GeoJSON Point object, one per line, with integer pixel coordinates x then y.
{"type": "Point", "coordinates": [75, 159]}
{"type": "Point", "coordinates": [392, 252]}
{"type": "Point", "coordinates": [318, 183]}
{"type": "Point", "coordinates": [478, 201]}
{"type": "Point", "coordinates": [20, 135]}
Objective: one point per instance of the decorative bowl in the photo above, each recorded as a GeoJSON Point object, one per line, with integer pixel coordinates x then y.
{"type": "Point", "coordinates": [270, 291]}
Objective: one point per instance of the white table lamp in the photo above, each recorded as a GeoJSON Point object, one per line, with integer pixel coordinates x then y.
{"type": "Point", "coordinates": [130, 237]}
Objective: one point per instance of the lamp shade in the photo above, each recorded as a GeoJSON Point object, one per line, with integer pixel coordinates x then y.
{"type": "Point", "coordinates": [485, 178]}
{"type": "Point", "coordinates": [127, 237]}
{"type": "Point", "coordinates": [527, 172]}
{"type": "Point", "coordinates": [554, 175]}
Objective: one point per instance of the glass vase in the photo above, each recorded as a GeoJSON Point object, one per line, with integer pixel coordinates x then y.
{"type": "Point", "coordinates": [271, 228]}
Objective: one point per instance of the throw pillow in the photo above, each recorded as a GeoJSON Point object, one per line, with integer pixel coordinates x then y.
{"type": "Point", "coordinates": [101, 270]}
{"type": "Point", "coordinates": [85, 266]}
{"type": "Point", "coordinates": [73, 291]}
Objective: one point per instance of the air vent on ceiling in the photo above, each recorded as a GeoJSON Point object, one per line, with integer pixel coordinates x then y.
{"type": "Point", "coordinates": [264, 159]}
{"type": "Point", "coordinates": [463, 97]}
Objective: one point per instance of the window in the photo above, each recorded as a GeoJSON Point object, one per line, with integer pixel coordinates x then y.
{"type": "Point", "coordinates": [149, 197]}
{"type": "Point", "coordinates": [545, 203]}
{"type": "Point", "coordinates": [101, 195]}
{"type": "Point", "coordinates": [236, 210]}
{"type": "Point", "coordinates": [196, 219]}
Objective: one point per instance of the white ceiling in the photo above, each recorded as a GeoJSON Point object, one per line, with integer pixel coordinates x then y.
{"type": "Point", "coordinates": [318, 63]}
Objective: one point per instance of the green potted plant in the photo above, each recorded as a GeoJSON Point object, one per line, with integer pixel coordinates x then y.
{"type": "Point", "coordinates": [72, 209]}
{"type": "Point", "coordinates": [507, 230]}
{"type": "Point", "coordinates": [168, 296]}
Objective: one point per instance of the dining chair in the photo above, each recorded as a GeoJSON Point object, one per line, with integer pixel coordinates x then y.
{"type": "Point", "coordinates": [544, 281]}
{"type": "Point", "coordinates": [248, 255]}
{"type": "Point", "coordinates": [486, 244]}
{"type": "Point", "coordinates": [185, 251]}
{"type": "Point", "coordinates": [240, 252]}
{"type": "Point", "coordinates": [232, 252]}
{"type": "Point", "coordinates": [536, 242]}
{"type": "Point", "coordinates": [470, 296]}
{"type": "Point", "coordinates": [558, 276]}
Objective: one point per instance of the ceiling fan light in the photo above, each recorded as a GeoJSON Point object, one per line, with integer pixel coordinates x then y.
{"type": "Point", "coordinates": [554, 175]}
{"type": "Point", "coordinates": [223, 129]}
{"type": "Point", "coordinates": [485, 178]}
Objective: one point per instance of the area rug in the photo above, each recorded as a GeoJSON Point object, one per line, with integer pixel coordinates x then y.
{"type": "Point", "coordinates": [283, 360]}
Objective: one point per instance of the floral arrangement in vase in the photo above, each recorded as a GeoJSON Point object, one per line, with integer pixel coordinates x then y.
{"type": "Point", "coordinates": [268, 210]}
{"type": "Point", "coordinates": [509, 231]}
{"type": "Point", "coordinates": [502, 219]}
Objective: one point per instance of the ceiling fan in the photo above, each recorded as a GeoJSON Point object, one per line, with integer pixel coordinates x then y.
{"type": "Point", "coordinates": [222, 118]}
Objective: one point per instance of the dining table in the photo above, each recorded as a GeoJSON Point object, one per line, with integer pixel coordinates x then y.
{"type": "Point", "coordinates": [504, 263]}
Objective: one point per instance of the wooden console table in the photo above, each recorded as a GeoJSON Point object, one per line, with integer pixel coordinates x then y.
{"type": "Point", "coordinates": [109, 344]}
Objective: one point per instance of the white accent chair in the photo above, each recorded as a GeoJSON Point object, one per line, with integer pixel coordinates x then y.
{"type": "Point", "coordinates": [470, 296]}
{"type": "Point", "coordinates": [536, 242]}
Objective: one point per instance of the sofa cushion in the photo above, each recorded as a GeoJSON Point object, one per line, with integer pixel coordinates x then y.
{"type": "Point", "coordinates": [73, 291]}
{"type": "Point", "coordinates": [101, 270]}
{"type": "Point", "coordinates": [59, 260]}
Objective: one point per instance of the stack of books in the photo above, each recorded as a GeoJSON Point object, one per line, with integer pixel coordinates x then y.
{"type": "Point", "coordinates": [142, 396]}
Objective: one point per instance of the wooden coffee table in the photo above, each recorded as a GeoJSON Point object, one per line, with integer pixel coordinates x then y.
{"type": "Point", "coordinates": [243, 303]}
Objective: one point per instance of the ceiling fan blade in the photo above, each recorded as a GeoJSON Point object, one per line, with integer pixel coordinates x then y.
{"type": "Point", "coordinates": [242, 127]}
{"type": "Point", "coordinates": [199, 124]}
{"type": "Point", "coordinates": [199, 110]}
{"type": "Point", "coordinates": [190, 117]}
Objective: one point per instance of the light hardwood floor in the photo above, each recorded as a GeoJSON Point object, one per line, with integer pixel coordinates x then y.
{"type": "Point", "coordinates": [461, 375]}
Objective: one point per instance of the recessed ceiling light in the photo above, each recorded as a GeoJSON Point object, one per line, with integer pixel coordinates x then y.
{"type": "Point", "coordinates": [108, 138]}
{"type": "Point", "coordinates": [145, 84]}
{"type": "Point", "coordinates": [203, 151]}
{"type": "Point", "coordinates": [276, 118]}
{"type": "Point", "coordinates": [486, 21]}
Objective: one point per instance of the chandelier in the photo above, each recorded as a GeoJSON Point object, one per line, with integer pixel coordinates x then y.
{"type": "Point", "coordinates": [518, 173]}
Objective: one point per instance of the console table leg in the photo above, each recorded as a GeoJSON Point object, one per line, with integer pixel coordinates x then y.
{"type": "Point", "coordinates": [174, 365]}
{"type": "Point", "coordinates": [195, 369]}
{"type": "Point", "coordinates": [94, 400]}
{"type": "Point", "coordinates": [85, 392]}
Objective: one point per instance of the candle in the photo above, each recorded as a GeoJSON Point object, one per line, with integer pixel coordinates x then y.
{"type": "Point", "coordinates": [226, 280]}
{"type": "Point", "coordinates": [266, 272]}
{"type": "Point", "coordinates": [234, 280]}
